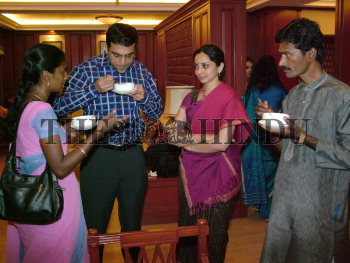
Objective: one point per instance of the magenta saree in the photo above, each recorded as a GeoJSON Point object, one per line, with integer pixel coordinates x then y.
{"type": "Point", "coordinates": [210, 178]}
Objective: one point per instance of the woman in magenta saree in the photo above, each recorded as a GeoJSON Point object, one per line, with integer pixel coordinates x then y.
{"type": "Point", "coordinates": [210, 161]}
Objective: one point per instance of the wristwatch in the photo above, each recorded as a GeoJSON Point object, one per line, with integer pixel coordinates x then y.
{"type": "Point", "coordinates": [302, 139]}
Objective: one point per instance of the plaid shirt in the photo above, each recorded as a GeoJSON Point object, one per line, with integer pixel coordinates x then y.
{"type": "Point", "coordinates": [82, 93]}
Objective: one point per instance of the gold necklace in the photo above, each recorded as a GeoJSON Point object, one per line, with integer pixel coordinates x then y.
{"type": "Point", "coordinates": [203, 93]}
{"type": "Point", "coordinates": [36, 96]}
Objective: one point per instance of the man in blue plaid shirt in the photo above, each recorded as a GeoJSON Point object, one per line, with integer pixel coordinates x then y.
{"type": "Point", "coordinates": [117, 168]}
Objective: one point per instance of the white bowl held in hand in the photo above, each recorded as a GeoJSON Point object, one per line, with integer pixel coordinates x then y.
{"type": "Point", "coordinates": [274, 120]}
{"type": "Point", "coordinates": [85, 122]}
{"type": "Point", "coordinates": [123, 88]}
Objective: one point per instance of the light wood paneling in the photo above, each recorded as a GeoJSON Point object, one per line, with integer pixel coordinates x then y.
{"type": "Point", "coordinates": [219, 22]}
{"type": "Point", "coordinates": [179, 69]}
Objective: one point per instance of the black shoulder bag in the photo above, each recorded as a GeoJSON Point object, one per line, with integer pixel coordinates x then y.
{"type": "Point", "coordinates": [29, 199]}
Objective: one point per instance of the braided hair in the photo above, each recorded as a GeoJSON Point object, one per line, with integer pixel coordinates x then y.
{"type": "Point", "coordinates": [39, 58]}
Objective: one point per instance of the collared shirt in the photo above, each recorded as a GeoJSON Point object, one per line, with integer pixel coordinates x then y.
{"type": "Point", "coordinates": [81, 93]}
{"type": "Point", "coordinates": [312, 186]}
{"type": "Point", "coordinates": [316, 83]}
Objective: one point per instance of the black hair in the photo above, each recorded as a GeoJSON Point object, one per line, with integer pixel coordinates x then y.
{"type": "Point", "coordinates": [121, 34]}
{"type": "Point", "coordinates": [250, 59]}
{"type": "Point", "coordinates": [215, 54]}
{"type": "Point", "coordinates": [264, 73]}
{"type": "Point", "coordinates": [39, 58]}
{"type": "Point", "coordinates": [304, 34]}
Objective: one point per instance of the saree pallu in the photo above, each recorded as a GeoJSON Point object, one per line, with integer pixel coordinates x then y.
{"type": "Point", "coordinates": [217, 177]}
{"type": "Point", "coordinates": [259, 161]}
{"type": "Point", "coordinates": [210, 178]}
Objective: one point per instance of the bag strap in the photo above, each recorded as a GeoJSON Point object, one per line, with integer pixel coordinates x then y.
{"type": "Point", "coordinates": [12, 151]}
{"type": "Point", "coordinates": [13, 144]}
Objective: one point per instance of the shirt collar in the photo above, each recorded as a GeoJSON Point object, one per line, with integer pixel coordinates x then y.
{"type": "Point", "coordinates": [316, 83]}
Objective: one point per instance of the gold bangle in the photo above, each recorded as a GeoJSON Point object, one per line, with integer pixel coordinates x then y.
{"type": "Point", "coordinates": [82, 150]}
{"type": "Point", "coordinates": [302, 139]}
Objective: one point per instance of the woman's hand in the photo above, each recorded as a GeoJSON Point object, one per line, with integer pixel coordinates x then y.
{"type": "Point", "coordinates": [261, 108]}
{"type": "Point", "coordinates": [108, 123]}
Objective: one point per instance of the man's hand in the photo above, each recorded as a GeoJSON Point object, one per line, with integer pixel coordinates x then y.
{"type": "Point", "coordinates": [261, 108]}
{"type": "Point", "coordinates": [104, 84]}
{"type": "Point", "coordinates": [109, 123]}
{"type": "Point", "coordinates": [138, 93]}
{"type": "Point", "coordinates": [294, 130]}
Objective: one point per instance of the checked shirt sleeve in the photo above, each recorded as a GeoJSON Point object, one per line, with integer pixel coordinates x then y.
{"type": "Point", "coordinates": [79, 92]}
{"type": "Point", "coordinates": [151, 105]}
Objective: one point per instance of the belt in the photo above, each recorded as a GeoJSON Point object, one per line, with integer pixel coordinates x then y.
{"type": "Point", "coordinates": [120, 147]}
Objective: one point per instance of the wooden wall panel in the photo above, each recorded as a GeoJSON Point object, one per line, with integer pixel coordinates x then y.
{"type": "Point", "coordinates": [2, 41]}
{"type": "Point", "coordinates": [72, 47]}
{"type": "Point", "coordinates": [263, 27]}
{"type": "Point", "coordinates": [342, 41]}
{"type": "Point", "coordinates": [220, 22]}
{"type": "Point", "coordinates": [229, 46]}
{"type": "Point", "coordinates": [141, 53]}
{"type": "Point", "coordinates": [179, 54]}
{"type": "Point", "coordinates": [201, 28]}
{"type": "Point", "coordinates": [160, 64]}
{"type": "Point", "coordinates": [13, 59]}
{"type": "Point", "coordinates": [88, 46]}
{"type": "Point", "coordinates": [145, 49]}
{"type": "Point", "coordinates": [23, 43]}
{"type": "Point", "coordinates": [7, 68]}
{"type": "Point", "coordinates": [253, 36]}
{"type": "Point", "coordinates": [228, 31]}
{"type": "Point", "coordinates": [80, 45]}
{"type": "Point", "coordinates": [329, 56]}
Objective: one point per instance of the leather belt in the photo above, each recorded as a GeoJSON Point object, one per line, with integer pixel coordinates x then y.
{"type": "Point", "coordinates": [120, 147]}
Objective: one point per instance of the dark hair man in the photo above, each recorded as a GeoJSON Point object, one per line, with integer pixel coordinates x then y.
{"type": "Point", "coordinates": [116, 169]}
{"type": "Point", "coordinates": [309, 216]}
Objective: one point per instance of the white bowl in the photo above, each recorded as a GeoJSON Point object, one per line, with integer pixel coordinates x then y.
{"type": "Point", "coordinates": [123, 88]}
{"type": "Point", "coordinates": [274, 120]}
{"type": "Point", "coordinates": [85, 122]}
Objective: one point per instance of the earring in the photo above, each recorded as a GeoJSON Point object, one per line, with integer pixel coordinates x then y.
{"type": "Point", "coordinates": [48, 84]}
{"type": "Point", "coordinates": [219, 74]}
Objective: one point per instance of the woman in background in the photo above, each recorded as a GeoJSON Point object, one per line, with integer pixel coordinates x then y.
{"type": "Point", "coordinates": [249, 64]}
{"type": "Point", "coordinates": [260, 161]}
{"type": "Point", "coordinates": [40, 139]}
{"type": "Point", "coordinates": [210, 163]}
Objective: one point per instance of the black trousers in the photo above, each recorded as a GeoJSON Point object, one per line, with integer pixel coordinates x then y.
{"type": "Point", "coordinates": [108, 174]}
{"type": "Point", "coordinates": [218, 217]}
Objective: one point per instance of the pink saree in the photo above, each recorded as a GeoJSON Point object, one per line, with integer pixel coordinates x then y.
{"type": "Point", "coordinates": [210, 178]}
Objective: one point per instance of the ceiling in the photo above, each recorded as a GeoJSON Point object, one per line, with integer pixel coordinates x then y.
{"type": "Point", "coordinates": [80, 14]}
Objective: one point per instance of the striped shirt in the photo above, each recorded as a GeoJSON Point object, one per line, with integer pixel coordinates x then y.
{"type": "Point", "coordinates": [81, 93]}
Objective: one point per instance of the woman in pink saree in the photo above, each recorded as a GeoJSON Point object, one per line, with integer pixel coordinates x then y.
{"type": "Point", "coordinates": [40, 139]}
{"type": "Point", "coordinates": [210, 162]}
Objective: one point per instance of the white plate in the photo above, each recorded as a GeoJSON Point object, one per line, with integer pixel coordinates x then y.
{"type": "Point", "coordinates": [123, 88]}
{"type": "Point", "coordinates": [273, 124]}
{"type": "Point", "coordinates": [85, 122]}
